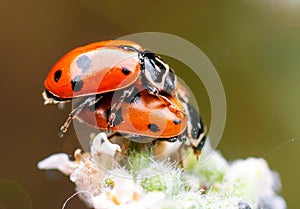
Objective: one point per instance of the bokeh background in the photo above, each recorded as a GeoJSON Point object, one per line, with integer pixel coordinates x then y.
{"type": "Point", "coordinates": [254, 45]}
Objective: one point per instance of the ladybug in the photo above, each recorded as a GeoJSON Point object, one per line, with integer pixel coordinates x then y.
{"type": "Point", "coordinates": [108, 66]}
{"type": "Point", "coordinates": [142, 117]}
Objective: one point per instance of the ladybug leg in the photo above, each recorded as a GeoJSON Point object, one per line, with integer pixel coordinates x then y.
{"type": "Point", "coordinates": [86, 103]}
{"type": "Point", "coordinates": [198, 149]}
{"type": "Point", "coordinates": [112, 135]}
{"type": "Point", "coordinates": [116, 106]}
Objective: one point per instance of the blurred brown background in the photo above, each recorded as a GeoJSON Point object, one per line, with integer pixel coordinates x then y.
{"type": "Point", "coordinates": [255, 48]}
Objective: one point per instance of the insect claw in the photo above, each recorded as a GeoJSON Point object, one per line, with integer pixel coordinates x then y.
{"type": "Point", "coordinates": [61, 134]}
{"type": "Point", "coordinates": [65, 126]}
{"type": "Point", "coordinates": [108, 129]}
{"type": "Point", "coordinates": [197, 153]}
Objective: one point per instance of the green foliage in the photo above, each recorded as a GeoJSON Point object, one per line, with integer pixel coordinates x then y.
{"type": "Point", "coordinates": [138, 161]}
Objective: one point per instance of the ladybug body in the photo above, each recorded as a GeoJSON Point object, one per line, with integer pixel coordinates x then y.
{"type": "Point", "coordinates": [144, 118]}
{"type": "Point", "coordinates": [124, 88]}
{"type": "Point", "coordinates": [140, 117]}
{"type": "Point", "coordinates": [93, 69]}
{"type": "Point", "coordinates": [108, 66]}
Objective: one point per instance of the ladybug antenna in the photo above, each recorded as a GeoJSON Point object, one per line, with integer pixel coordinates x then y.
{"type": "Point", "coordinates": [90, 101]}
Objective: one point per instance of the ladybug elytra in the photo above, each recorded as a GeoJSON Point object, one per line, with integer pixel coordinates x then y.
{"type": "Point", "coordinates": [140, 116]}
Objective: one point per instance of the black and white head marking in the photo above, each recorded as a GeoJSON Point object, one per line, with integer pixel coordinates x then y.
{"type": "Point", "coordinates": [157, 73]}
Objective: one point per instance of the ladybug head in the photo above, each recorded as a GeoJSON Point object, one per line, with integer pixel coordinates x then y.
{"type": "Point", "coordinates": [157, 73]}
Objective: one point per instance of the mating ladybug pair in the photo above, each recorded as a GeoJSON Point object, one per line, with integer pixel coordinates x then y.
{"type": "Point", "coordinates": [124, 89]}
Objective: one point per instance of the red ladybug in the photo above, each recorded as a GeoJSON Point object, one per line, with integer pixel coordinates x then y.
{"type": "Point", "coordinates": [144, 118]}
{"type": "Point", "coordinates": [108, 66]}
{"type": "Point", "coordinates": [141, 117]}
{"type": "Point", "coordinates": [95, 68]}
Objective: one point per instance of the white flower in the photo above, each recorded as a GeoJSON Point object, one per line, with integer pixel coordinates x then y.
{"type": "Point", "coordinates": [103, 151]}
{"type": "Point", "coordinates": [146, 183]}
{"type": "Point", "coordinates": [58, 161]}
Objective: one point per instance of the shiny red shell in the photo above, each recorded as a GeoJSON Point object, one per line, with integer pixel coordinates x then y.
{"type": "Point", "coordinates": [95, 68]}
{"type": "Point", "coordinates": [143, 114]}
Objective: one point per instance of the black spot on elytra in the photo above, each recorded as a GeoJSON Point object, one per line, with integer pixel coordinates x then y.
{"type": "Point", "coordinates": [153, 127]}
{"type": "Point", "coordinates": [57, 75]}
{"type": "Point", "coordinates": [176, 121]}
{"type": "Point", "coordinates": [125, 71]}
{"type": "Point", "coordinates": [76, 83]}
{"type": "Point", "coordinates": [83, 62]}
